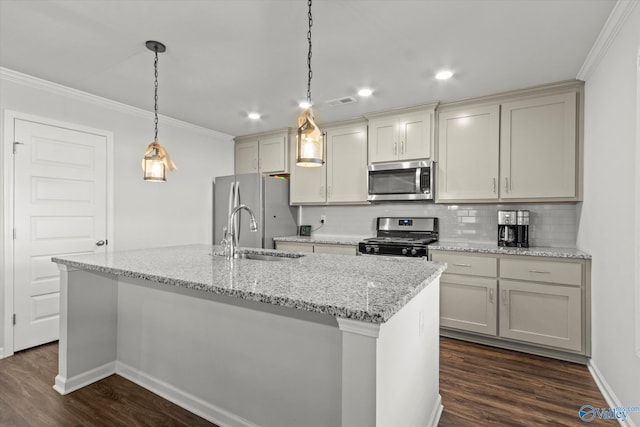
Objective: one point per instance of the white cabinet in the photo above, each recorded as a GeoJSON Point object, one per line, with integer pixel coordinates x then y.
{"type": "Point", "coordinates": [541, 314]}
{"type": "Point", "coordinates": [520, 302]}
{"type": "Point", "coordinates": [469, 303]}
{"type": "Point", "coordinates": [522, 150]}
{"type": "Point", "coordinates": [538, 148]}
{"type": "Point", "coordinates": [468, 154]}
{"type": "Point", "coordinates": [319, 248]}
{"type": "Point", "coordinates": [343, 177]}
{"type": "Point", "coordinates": [402, 136]}
{"type": "Point", "coordinates": [266, 153]}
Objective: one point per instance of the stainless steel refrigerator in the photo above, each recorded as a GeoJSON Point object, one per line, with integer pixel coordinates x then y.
{"type": "Point", "coordinates": [268, 198]}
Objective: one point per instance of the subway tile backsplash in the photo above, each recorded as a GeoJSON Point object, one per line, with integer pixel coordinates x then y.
{"type": "Point", "coordinates": [552, 225]}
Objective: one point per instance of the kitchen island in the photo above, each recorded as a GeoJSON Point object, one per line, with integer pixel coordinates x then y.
{"type": "Point", "coordinates": [287, 340]}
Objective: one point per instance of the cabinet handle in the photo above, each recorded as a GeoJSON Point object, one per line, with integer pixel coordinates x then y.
{"type": "Point", "coordinates": [401, 147]}
{"type": "Point", "coordinates": [494, 186]}
{"type": "Point", "coordinates": [506, 185]}
{"type": "Point", "coordinates": [539, 271]}
{"type": "Point", "coordinates": [395, 148]}
{"type": "Point", "coordinates": [491, 296]}
{"type": "Point", "coordinates": [462, 265]}
{"type": "Point", "coordinates": [505, 299]}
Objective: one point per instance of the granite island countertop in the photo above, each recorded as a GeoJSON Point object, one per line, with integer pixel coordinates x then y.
{"type": "Point", "coordinates": [369, 289]}
{"type": "Point", "coordinates": [488, 248]}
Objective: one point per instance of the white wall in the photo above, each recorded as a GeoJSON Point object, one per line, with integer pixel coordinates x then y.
{"type": "Point", "coordinates": [608, 218]}
{"type": "Point", "coordinates": [145, 214]}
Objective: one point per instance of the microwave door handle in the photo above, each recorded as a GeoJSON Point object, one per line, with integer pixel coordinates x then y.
{"type": "Point", "coordinates": [418, 184]}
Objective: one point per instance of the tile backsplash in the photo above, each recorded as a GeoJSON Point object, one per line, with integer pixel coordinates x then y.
{"type": "Point", "coordinates": [552, 225]}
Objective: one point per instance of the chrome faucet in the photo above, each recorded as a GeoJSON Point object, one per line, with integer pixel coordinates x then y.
{"type": "Point", "coordinates": [230, 241]}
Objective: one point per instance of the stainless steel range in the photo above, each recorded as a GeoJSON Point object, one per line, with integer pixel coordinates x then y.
{"type": "Point", "coordinates": [401, 236]}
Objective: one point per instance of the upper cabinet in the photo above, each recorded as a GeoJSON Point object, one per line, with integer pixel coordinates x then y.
{"type": "Point", "coordinates": [264, 153]}
{"type": "Point", "coordinates": [401, 136]}
{"type": "Point", "coordinates": [522, 149]}
{"type": "Point", "coordinates": [342, 178]}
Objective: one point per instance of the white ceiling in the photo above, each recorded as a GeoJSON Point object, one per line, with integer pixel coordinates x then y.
{"type": "Point", "coordinates": [228, 57]}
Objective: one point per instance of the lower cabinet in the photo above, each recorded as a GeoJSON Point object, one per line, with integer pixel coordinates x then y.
{"type": "Point", "coordinates": [319, 248]}
{"type": "Point", "coordinates": [536, 301]}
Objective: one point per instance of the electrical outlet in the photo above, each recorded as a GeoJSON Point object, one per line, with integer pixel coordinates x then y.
{"type": "Point", "coordinates": [323, 219]}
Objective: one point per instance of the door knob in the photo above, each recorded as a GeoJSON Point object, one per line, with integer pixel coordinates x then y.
{"type": "Point", "coordinates": [101, 242]}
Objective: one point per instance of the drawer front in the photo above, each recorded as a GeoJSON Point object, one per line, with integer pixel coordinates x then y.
{"type": "Point", "coordinates": [566, 273]}
{"type": "Point", "coordinates": [294, 246]}
{"type": "Point", "coordinates": [335, 249]}
{"type": "Point", "coordinates": [467, 264]}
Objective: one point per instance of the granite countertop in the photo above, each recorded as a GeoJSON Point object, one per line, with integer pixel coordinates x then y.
{"type": "Point", "coordinates": [488, 248]}
{"type": "Point", "coordinates": [370, 289]}
{"type": "Point", "coordinates": [320, 239]}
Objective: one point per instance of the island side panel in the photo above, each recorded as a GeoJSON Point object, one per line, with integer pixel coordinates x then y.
{"type": "Point", "coordinates": [227, 362]}
{"type": "Point", "coordinates": [390, 372]}
{"type": "Point", "coordinates": [88, 328]}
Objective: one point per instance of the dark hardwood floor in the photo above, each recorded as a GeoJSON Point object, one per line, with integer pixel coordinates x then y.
{"type": "Point", "coordinates": [480, 386]}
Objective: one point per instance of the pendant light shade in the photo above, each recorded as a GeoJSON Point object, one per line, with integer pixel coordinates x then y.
{"type": "Point", "coordinates": [156, 159]}
{"type": "Point", "coordinates": [310, 144]}
{"type": "Point", "coordinates": [310, 147]}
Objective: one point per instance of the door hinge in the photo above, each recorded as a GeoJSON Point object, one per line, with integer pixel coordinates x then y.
{"type": "Point", "coordinates": [14, 319]}
{"type": "Point", "coordinates": [15, 145]}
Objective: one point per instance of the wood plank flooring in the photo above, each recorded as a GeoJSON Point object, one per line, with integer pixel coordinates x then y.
{"type": "Point", "coordinates": [480, 386]}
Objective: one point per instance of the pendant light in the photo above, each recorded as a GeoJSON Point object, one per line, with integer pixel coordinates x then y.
{"type": "Point", "coordinates": [156, 159]}
{"type": "Point", "coordinates": [310, 145]}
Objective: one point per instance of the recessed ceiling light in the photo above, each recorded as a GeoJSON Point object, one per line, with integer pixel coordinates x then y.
{"type": "Point", "coordinates": [254, 116]}
{"type": "Point", "coordinates": [444, 75]}
{"type": "Point", "coordinates": [305, 104]}
{"type": "Point", "coordinates": [365, 92]}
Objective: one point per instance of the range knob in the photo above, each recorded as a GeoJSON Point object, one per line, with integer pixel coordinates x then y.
{"type": "Point", "coordinates": [368, 248]}
{"type": "Point", "coordinates": [414, 251]}
{"type": "Point", "coordinates": [404, 251]}
{"type": "Point", "coordinates": [376, 249]}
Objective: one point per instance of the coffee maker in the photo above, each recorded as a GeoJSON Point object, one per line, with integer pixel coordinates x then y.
{"type": "Point", "coordinates": [507, 228]}
{"type": "Point", "coordinates": [513, 228]}
{"type": "Point", "coordinates": [522, 229]}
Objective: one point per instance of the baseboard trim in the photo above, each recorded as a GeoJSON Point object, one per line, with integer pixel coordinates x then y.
{"type": "Point", "coordinates": [191, 403]}
{"type": "Point", "coordinates": [436, 412]}
{"type": "Point", "coordinates": [67, 385]}
{"type": "Point", "coordinates": [607, 392]}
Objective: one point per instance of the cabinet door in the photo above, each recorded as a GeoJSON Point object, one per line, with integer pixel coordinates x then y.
{"type": "Point", "coordinates": [335, 249]}
{"type": "Point", "coordinates": [468, 145]}
{"type": "Point", "coordinates": [347, 164]}
{"type": "Point", "coordinates": [468, 303]}
{"type": "Point", "coordinates": [246, 157]}
{"type": "Point", "coordinates": [294, 247]}
{"type": "Point", "coordinates": [541, 314]}
{"type": "Point", "coordinates": [306, 185]}
{"type": "Point", "coordinates": [383, 144]}
{"type": "Point", "coordinates": [273, 155]}
{"type": "Point", "coordinates": [538, 148]}
{"type": "Point", "coordinates": [414, 136]}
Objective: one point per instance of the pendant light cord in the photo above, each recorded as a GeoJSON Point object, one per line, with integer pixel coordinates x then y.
{"type": "Point", "coordinates": [309, 56]}
{"type": "Point", "coordinates": [155, 97]}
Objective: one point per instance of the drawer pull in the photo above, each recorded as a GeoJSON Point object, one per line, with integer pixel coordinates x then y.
{"type": "Point", "coordinates": [505, 299]}
{"type": "Point", "coordinates": [462, 265]}
{"type": "Point", "coordinates": [539, 271]}
{"type": "Point", "coordinates": [491, 296]}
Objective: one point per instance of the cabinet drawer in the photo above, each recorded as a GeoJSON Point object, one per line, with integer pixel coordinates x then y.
{"type": "Point", "coordinates": [335, 249]}
{"type": "Point", "coordinates": [468, 264]}
{"type": "Point", "coordinates": [567, 273]}
{"type": "Point", "coordinates": [294, 247]}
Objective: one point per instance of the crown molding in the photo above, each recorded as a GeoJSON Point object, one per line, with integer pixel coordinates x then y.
{"type": "Point", "coordinates": [58, 89]}
{"type": "Point", "coordinates": [615, 22]}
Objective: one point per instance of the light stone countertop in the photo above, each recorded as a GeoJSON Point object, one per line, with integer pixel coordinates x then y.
{"type": "Point", "coordinates": [370, 289]}
{"type": "Point", "coordinates": [320, 239]}
{"type": "Point", "coordinates": [488, 248]}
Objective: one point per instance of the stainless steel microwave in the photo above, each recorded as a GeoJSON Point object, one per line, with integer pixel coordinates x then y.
{"type": "Point", "coordinates": [401, 181]}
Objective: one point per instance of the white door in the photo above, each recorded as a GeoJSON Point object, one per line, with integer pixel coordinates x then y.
{"type": "Point", "coordinates": [60, 209]}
